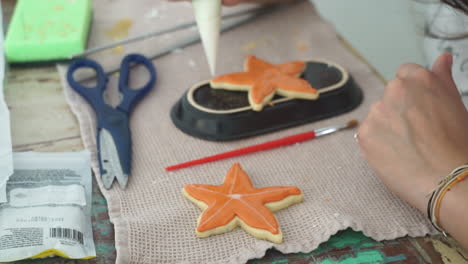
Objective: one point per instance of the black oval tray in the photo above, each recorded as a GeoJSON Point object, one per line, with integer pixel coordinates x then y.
{"type": "Point", "coordinates": [221, 115]}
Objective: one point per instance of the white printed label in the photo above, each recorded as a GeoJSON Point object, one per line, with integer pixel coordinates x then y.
{"type": "Point", "coordinates": [40, 228]}
{"type": "Point", "coordinates": [48, 211]}
{"type": "Point", "coordinates": [48, 195]}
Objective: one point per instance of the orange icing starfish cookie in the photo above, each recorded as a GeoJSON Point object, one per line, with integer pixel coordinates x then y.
{"type": "Point", "coordinates": [237, 203]}
{"type": "Point", "coordinates": [262, 80]}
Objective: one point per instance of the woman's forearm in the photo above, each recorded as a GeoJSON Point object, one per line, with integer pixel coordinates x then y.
{"type": "Point", "coordinates": [454, 213]}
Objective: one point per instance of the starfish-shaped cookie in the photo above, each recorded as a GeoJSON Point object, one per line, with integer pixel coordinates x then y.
{"type": "Point", "coordinates": [262, 80]}
{"type": "Point", "coordinates": [237, 203]}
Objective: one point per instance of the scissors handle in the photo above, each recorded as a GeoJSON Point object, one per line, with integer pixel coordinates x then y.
{"type": "Point", "coordinates": [94, 95]}
{"type": "Point", "coordinates": [132, 96]}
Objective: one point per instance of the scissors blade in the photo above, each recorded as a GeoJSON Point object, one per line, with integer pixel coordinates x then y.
{"type": "Point", "coordinates": [110, 162]}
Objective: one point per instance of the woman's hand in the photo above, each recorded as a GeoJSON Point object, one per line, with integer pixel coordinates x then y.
{"type": "Point", "coordinates": [417, 132]}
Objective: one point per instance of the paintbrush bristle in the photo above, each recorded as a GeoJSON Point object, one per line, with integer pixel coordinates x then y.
{"type": "Point", "coordinates": [352, 124]}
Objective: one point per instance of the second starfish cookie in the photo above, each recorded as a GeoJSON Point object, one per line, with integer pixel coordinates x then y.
{"type": "Point", "coordinates": [262, 80]}
{"type": "Point", "coordinates": [237, 203]}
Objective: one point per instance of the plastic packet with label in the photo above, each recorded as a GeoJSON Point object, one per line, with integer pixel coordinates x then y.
{"type": "Point", "coordinates": [6, 161]}
{"type": "Point", "coordinates": [48, 212]}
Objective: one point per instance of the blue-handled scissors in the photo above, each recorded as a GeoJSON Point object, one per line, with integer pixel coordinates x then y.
{"type": "Point", "coordinates": [113, 131]}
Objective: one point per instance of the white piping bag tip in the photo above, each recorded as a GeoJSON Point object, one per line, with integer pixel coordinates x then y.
{"type": "Point", "coordinates": [212, 66]}
{"type": "Point", "coordinates": [208, 17]}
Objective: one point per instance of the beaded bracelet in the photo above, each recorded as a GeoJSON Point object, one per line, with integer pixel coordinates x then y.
{"type": "Point", "coordinates": [433, 206]}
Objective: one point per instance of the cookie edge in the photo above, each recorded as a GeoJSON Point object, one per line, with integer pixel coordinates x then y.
{"type": "Point", "coordinates": [256, 232]}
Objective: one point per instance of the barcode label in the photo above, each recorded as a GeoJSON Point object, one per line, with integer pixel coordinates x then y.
{"type": "Point", "coordinates": [67, 233]}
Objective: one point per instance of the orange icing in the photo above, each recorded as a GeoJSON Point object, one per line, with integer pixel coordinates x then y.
{"type": "Point", "coordinates": [264, 79]}
{"type": "Point", "coordinates": [237, 197]}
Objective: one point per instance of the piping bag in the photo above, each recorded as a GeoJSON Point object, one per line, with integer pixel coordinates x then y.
{"type": "Point", "coordinates": [208, 17]}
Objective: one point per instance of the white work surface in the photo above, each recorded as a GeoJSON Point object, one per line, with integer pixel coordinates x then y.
{"type": "Point", "coordinates": [384, 32]}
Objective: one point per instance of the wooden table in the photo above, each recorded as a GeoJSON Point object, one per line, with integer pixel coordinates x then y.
{"type": "Point", "coordinates": [42, 121]}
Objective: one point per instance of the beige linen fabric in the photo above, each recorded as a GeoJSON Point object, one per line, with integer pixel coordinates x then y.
{"type": "Point", "coordinates": [154, 223]}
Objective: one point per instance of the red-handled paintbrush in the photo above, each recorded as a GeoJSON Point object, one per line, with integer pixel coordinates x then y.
{"type": "Point", "coordinates": [267, 145]}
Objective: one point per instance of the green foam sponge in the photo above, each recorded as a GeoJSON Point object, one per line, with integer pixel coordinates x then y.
{"type": "Point", "coordinates": [47, 30]}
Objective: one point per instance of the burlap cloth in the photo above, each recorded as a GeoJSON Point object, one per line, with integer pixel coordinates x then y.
{"type": "Point", "coordinates": [154, 223]}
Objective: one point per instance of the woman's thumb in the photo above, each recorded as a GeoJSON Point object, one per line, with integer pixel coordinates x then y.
{"type": "Point", "coordinates": [443, 69]}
